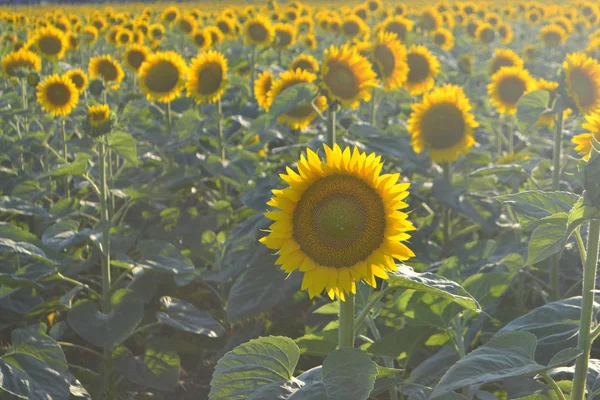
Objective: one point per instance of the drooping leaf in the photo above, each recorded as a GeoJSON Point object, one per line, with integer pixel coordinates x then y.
{"type": "Point", "coordinates": [531, 106]}
{"type": "Point", "coordinates": [548, 238]}
{"type": "Point", "coordinates": [534, 205]}
{"type": "Point", "coordinates": [64, 234]}
{"type": "Point", "coordinates": [124, 144]}
{"type": "Point", "coordinates": [15, 205]}
{"type": "Point", "coordinates": [24, 249]}
{"type": "Point", "coordinates": [184, 316]}
{"type": "Point", "coordinates": [591, 183]}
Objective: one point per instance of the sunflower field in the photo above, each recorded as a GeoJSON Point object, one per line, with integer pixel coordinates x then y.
{"type": "Point", "coordinates": [300, 200]}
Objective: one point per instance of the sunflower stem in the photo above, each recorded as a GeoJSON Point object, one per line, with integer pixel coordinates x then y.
{"type": "Point", "coordinates": [346, 329]}
{"type": "Point", "coordinates": [279, 62]}
{"type": "Point", "coordinates": [587, 309]}
{"type": "Point", "coordinates": [445, 209]}
{"type": "Point", "coordinates": [109, 390]}
{"type": "Point", "coordinates": [168, 115]}
{"type": "Point", "coordinates": [63, 130]}
{"type": "Point", "coordinates": [555, 260]}
{"type": "Point", "coordinates": [331, 125]}
{"type": "Point", "coordinates": [221, 142]}
{"type": "Point", "coordinates": [252, 71]}
{"type": "Point", "coordinates": [373, 108]}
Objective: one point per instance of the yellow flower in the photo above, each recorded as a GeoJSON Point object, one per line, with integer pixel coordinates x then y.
{"type": "Point", "coordinates": [443, 124]}
{"type": "Point", "coordinates": [285, 36]}
{"type": "Point", "coordinates": [89, 34]}
{"type": "Point", "coordinates": [465, 64]}
{"type": "Point", "coordinates": [533, 16]}
{"type": "Point", "coordinates": [124, 37]}
{"type": "Point", "coordinates": [354, 27]}
{"type": "Point", "coordinates": [170, 14]}
{"type": "Point", "coordinates": [79, 79]}
{"type": "Point", "coordinates": [98, 115]}
{"type": "Point", "coordinates": [162, 76]}
{"type": "Point", "coordinates": [303, 114]}
{"type": "Point", "coordinates": [108, 69]}
{"type": "Point", "coordinates": [305, 62]}
{"type": "Point", "coordinates": [216, 36]}
{"type": "Point", "coordinates": [507, 87]}
{"type": "Point", "coordinates": [156, 32]}
{"type": "Point", "coordinates": [530, 53]}
{"type": "Point", "coordinates": [505, 32]}
{"type": "Point", "coordinates": [346, 76]}
{"type": "Point", "coordinates": [553, 35]}
{"type": "Point", "coordinates": [50, 42]}
{"type": "Point", "coordinates": [504, 58]}
{"type": "Point", "coordinates": [431, 19]}
{"type": "Point", "coordinates": [585, 141]}
{"type": "Point", "coordinates": [443, 38]}
{"type": "Point", "coordinates": [262, 86]}
{"type": "Point", "coordinates": [389, 56]}
{"type": "Point", "coordinates": [582, 77]}
{"type": "Point", "coordinates": [339, 221]}
{"type": "Point", "coordinates": [135, 55]}
{"type": "Point", "coordinates": [226, 25]}
{"type": "Point", "coordinates": [259, 31]}
{"type": "Point", "coordinates": [423, 67]}
{"type": "Point", "coordinates": [202, 39]}
{"type": "Point", "coordinates": [187, 24]}
{"type": "Point", "coordinates": [57, 95]}
{"type": "Point", "coordinates": [396, 24]}
{"type": "Point", "coordinates": [485, 33]}
{"type": "Point", "coordinates": [208, 77]}
{"type": "Point", "coordinates": [20, 59]}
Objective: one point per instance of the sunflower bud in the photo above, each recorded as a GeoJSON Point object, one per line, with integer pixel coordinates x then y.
{"type": "Point", "coordinates": [96, 86]}
{"type": "Point", "coordinates": [99, 121]}
{"type": "Point", "coordinates": [33, 78]}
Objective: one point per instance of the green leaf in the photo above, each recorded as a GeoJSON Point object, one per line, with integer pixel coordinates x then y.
{"type": "Point", "coordinates": [157, 368]}
{"type": "Point", "coordinates": [319, 343]}
{"type": "Point", "coordinates": [548, 238]}
{"type": "Point", "coordinates": [107, 330]}
{"type": "Point", "coordinates": [534, 205]}
{"type": "Point", "coordinates": [291, 98]}
{"type": "Point", "coordinates": [504, 356]}
{"type": "Point", "coordinates": [497, 169]}
{"type": "Point", "coordinates": [124, 144]}
{"type": "Point", "coordinates": [591, 183]}
{"type": "Point", "coordinates": [580, 213]}
{"type": "Point", "coordinates": [64, 234]}
{"type": "Point", "coordinates": [530, 106]}
{"type": "Point", "coordinates": [433, 284]}
{"type": "Point", "coordinates": [254, 364]}
{"type": "Point", "coordinates": [184, 316]}
{"type": "Point", "coordinates": [75, 168]}
{"type": "Point", "coordinates": [401, 341]}
{"type": "Point", "coordinates": [170, 264]}
{"type": "Point", "coordinates": [25, 249]}
{"type": "Point", "coordinates": [15, 205]}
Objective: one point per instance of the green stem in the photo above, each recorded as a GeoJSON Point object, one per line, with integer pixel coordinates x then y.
{"type": "Point", "coordinates": [373, 108]}
{"type": "Point", "coordinates": [580, 245]}
{"type": "Point", "coordinates": [511, 139]}
{"type": "Point", "coordinates": [65, 155]}
{"type": "Point", "coordinates": [81, 348]}
{"type": "Point", "coordinates": [587, 309]}
{"type": "Point", "coordinates": [331, 139]}
{"type": "Point", "coordinates": [169, 121]}
{"type": "Point", "coordinates": [445, 209]}
{"type": "Point", "coordinates": [346, 329]}
{"type": "Point", "coordinates": [221, 142]}
{"type": "Point", "coordinates": [24, 93]}
{"type": "Point", "coordinates": [252, 71]}
{"type": "Point", "coordinates": [555, 260]}
{"type": "Point", "coordinates": [387, 361]}
{"type": "Point", "coordinates": [365, 312]}
{"type": "Point", "coordinates": [554, 385]}
{"type": "Point", "coordinates": [77, 283]}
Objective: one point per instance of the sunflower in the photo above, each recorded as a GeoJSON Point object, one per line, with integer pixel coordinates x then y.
{"type": "Point", "coordinates": [504, 58]}
{"type": "Point", "coordinates": [49, 42]}
{"type": "Point", "coordinates": [259, 31]}
{"type": "Point", "coordinates": [507, 87]}
{"type": "Point", "coordinates": [186, 24]}
{"type": "Point", "coordinates": [216, 36]}
{"type": "Point", "coordinates": [533, 16]}
{"type": "Point", "coordinates": [78, 77]}
{"type": "Point", "coordinates": [423, 67]}
{"type": "Point", "coordinates": [431, 19]}
{"type": "Point", "coordinates": [111, 36]}
{"type": "Point", "coordinates": [170, 14]}
{"type": "Point", "coordinates": [564, 23]}
{"type": "Point", "coordinates": [208, 77]}
{"type": "Point", "coordinates": [162, 76]}
{"type": "Point", "coordinates": [202, 39]}
{"type": "Point", "coordinates": [582, 77]}
{"type": "Point", "coordinates": [57, 95]}
{"type": "Point", "coordinates": [398, 25]}
{"type": "Point", "coordinates": [226, 25]}
{"type": "Point", "coordinates": [354, 27]}
{"type": "Point", "coordinates": [88, 34]}
{"type": "Point", "coordinates": [285, 36]}
{"type": "Point", "coordinates": [305, 25]}
{"type": "Point", "coordinates": [505, 32]}
{"type": "Point", "coordinates": [21, 59]}
{"type": "Point", "coordinates": [339, 221]}
{"type": "Point", "coordinates": [135, 55]}
{"type": "Point", "coordinates": [443, 38]}
{"type": "Point", "coordinates": [303, 114]}
{"type": "Point", "coordinates": [585, 141]}
{"type": "Point", "coordinates": [346, 76]}
{"type": "Point", "coordinates": [305, 62]}
{"type": "Point", "coordinates": [553, 35]}
{"type": "Point", "coordinates": [262, 86]}
{"type": "Point", "coordinates": [374, 5]}
{"type": "Point", "coordinates": [465, 64]}
{"type": "Point", "coordinates": [156, 32]}
{"type": "Point", "coordinates": [472, 26]}
{"type": "Point", "coordinates": [124, 37]}
{"type": "Point", "coordinates": [310, 41]}
{"type": "Point", "coordinates": [389, 57]}
{"type": "Point", "coordinates": [485, 33]}
{"type": "Point", "coordinates": [108, 69]}
{"type": "Point", "coordinates": [99, 115]}
{"type": "Point", "coordinates": [443, 123]}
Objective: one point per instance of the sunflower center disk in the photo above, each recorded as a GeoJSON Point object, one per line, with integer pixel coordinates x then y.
{"type": "Point", "coordinates": [135, 59]}
{"type": "Point", "coordinates": [511, 89]}
{"type": "Point", "coordinates": [59, 94]}
{"type": "Point", "coordinates": [210, 78]}
{"type": "Point", "coordinates": [50, 45]}
{"type": "Point", "coordinates": [583, 87]}
{"type": "Point", "coordinates": [339, 221]}
{"type": "Point", "coordinates": [107, 70]}
{"type": "Point", "coordinates": [162, 77]}
{"type": "Point", "coordinates": [552, 38]}
{"type": "Point", "coordinates": [386, 59]}
{"type": "Point", "coordinates": [78, 81]}
{"type": "Point", "coordinates": [398, 29]}
{"type": "Point", "coordinates": [283, 38]}
{"type": "Point", "coordinates": [341, 81]}
{"type": "Point", "coordinates": [443, 126]}
{"type": "Point", "coordinates": [257, 32]}
{"type": "Point", "coordinates": [350, 28]}
{"type": "Point", "coordinates": [418, 68]}
{"type": "Point", "coordinates": [500, 62]}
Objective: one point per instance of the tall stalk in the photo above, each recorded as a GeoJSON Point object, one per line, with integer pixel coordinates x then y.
{"type": "Point", "coordinates": [587, 309]}
{"type": "Point", "coordinates": [63, 131]}
{"type": "Point", "coordinates": [445, 209]}
{"type": "Point", "coordinates": [252, 71]}
{"type": "Point", "coordinates": [221, 142]}
{"type": "Point", "coordinates": [555, 260]}
{"type": "Point", "coordinates": [373, 108]}
{"type": "Point", "coordinates": [169, 121]}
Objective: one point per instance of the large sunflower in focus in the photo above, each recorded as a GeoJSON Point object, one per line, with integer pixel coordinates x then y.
{"type": "Point", "coordinates": [259, 31]}
{"type": "Point", "coordinates": [582, 77]}
{"type": "Point", "coordinates": [262, 86]}
{"type": "Point", "coordinates": [443, 124]}
{"type": "Point", "coordinates": [423, 67]}
{"type": "Point", "coordinates": [339, 221]}
{"type": "Point", "coordinates": [346, 76]}
{"type": "Point", "coordinates": [208, 77]}
{"type": "Point", "coordinates": [585, 141]}
{"type": "Point", "coordinates": [57, 95]}
{"type": "Point", "coordinates": [108, 69]}
{"type": "Point", "coordinates": [162, 76]}
{"type": "Point", "coordinates": [303, 114]}
{"type": "Point", "coordinates": [389, 56]}
{"type": "Point", "coordinates": [504, 58]}
{"type": "Point", "coordinates": [20, 59]}
{"type": "Point", "coordinates": [49, 42]}
{"type": "Point", "coordinates": [507, 87]}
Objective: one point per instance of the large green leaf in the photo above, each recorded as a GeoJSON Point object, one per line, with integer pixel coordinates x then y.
{"type": "Point", "coordinates": [591, 183]}
{"type": "Point", "coordinates": [184, 316]}
{"type": "Point", "coordinates": [252, 365]}
{"type": "Point", "coordinates": [534, 205]}
{"type": "Point", "coordinates": [157, 368]}
{"type": "Point", "coordinates": [504, 356]}
{"type": "Point", "coordinates": [548, 238]}
{"type": "Point", "coordinates": [25, 249]}
{"type": "Point", "coordinates": [64, 234]}
{"type": "Point", "coordinates": [531, 106]}
{"type": "Point", "coordinates": [107, 330]}
{"type": "Point", "coordinates": [124, 144]}
{"type": "Point", "coordinates": [427, 282]}
{"type": "Point", "coordinates": [75, 168]}
{"type": "Point", "coordinates": [15, 205]}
